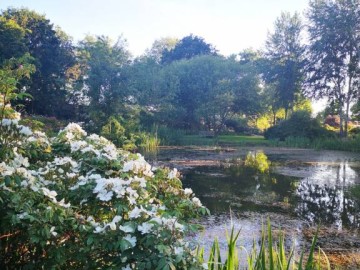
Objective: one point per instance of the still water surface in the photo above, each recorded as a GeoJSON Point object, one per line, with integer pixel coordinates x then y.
{"type": "Point", "coordinates": [297, 190]}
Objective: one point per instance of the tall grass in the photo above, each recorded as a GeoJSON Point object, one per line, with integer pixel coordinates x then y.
{"type": "Point", "coordinates": [170, 136]}
{"type": "Point", "coordinates": [345, 144]}
{"type": "Point", "coordinates": [270, 256]}
{"type": "Point", "coordinates": [150, 144]}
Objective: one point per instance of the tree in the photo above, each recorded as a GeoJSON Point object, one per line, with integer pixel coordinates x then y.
{"type": "Point", "coordinates": [191, 84]}
{"type": "Point", "coordinates": [218, 106]}
{"type": "Point", "coordinates": [105, 76]}
{"type": "Point", "coordinates": [160, 46]}
{"type": "Point", "coordinates": [188, 47]}
{"type": "Point", "coordinates": [333, 69]}
{"type": "Point", "coordinates": [247, 84]}
{"type": "Point", "coordinates": [12, 42]}
{"type": "Point", "coordinates": [53, 56]}
{"type": "Point", "coordinates": [283, 60]}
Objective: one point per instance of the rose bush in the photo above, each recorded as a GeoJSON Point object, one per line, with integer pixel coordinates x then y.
{"type": "Point", "coordinates": [76, 201]}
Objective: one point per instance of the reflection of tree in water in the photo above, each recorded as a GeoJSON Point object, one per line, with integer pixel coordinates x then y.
{"type": "Point", "coordinates": [327, 205]}
{"type": "Point", "coordinates": [257, 180]}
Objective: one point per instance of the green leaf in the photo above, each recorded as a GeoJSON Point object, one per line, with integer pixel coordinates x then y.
{"type": "Point", "coordinates": [90, 240]}
{"type": "Point", "coordinates": [7, 180]}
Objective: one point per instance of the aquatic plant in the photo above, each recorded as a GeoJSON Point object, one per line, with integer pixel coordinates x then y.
{"type": "Point", "coordinates": [257, 161]}
{"type": "Point", "coordinates": [270, 256]}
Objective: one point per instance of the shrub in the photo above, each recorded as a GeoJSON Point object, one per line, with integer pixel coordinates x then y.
{"type": "Point", "coordinates": [49, 125]}
{"type": "Point", "coordinates": [114, 131]}
{"type": "Point", "coordinates": [257, 161]}
{"type": "Point", "coordinates": [77, 202]}
{"type": "Point", "coordinates": [300, 125]}
{"type": "Point", "coordinates": [238, 125]}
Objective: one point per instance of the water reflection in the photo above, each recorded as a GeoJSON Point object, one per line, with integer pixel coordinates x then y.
{"type": "Point", "coordinates": [246, 185]}
{"type": "Point", "coordinates": [337, 173]}
{"type": "Point", "coordinates": [292, 187]}
{"type": "Point", "coordinates": [325, 204]}
{"type": "Point", "coordinates": [331, 173]}
{"type": "Point", "coordinates": [314, 186]}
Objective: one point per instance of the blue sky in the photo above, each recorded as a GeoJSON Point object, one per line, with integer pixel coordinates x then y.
{"type": "Point", "coordinates": [230, 25]}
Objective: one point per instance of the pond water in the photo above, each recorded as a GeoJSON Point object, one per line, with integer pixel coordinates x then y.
{"type": "Point", "coordinates": [297, 189]}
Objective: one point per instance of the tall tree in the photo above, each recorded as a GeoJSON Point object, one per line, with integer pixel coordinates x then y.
{"type": "Point", "coordinates": [188, 47]}
{"type": "Point", "coordinates": [190, 84]}
{"type": "Point", "coordinates": [283, 65]}
{"type": "Point", "coordinates": [160, 46]}
{"type": "Point", "coordinates": [334, 53]}
{"type": "Point", "coordinates": [12, 39]}
{"type": "Point", "coordinates": [247, 84]}
{"type": "Point", "coordinates": [105, 76]}
{"type": "Point", "coordinates": [53, 56]}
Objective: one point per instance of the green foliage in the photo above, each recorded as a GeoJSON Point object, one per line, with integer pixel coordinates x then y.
{"type": "Point", "coordinates": [300, 124]}
{"type": "Point", "coordinates": [283, 62]}
{"type": "Point", "coordinates": [238, 125]}
{"type": "Point", "coordinates": [12, 43]}
{"type": "Point", "coordinates": [333, 58]}
{"type": "Point", "coordinates": [78, 202]}
{"type": "Point", "coordinates": [114, 131]}
{"type": "Point", "coordinates": [53, 56]}
{"type": "Point", "coordinates": [272, 254]}
{"type": "Point", "coordinates": [10, 73]}
{"type": "Point", "coordinates": [148, 142]}
{"type": "Point", "coordinates": [257, 161]}
{"type": "Point", "coordinates": [159, 47]}
{"type": "Point", "coordinates": [170, 136]}
{"type": "Point", "coordinates": [50, 125]}
{"type": "Point", "coordinates": [341, 144]}
{"type": "Point", "coordinates": [104, 75]}
{"type": "Point", "coordinates": [188, 47]}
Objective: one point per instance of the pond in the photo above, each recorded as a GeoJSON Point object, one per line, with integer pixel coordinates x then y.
{"type": "Point", "coordinates": [298, 189]}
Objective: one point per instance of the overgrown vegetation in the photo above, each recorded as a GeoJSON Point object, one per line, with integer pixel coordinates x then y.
{"type": "Point", "coordinates": [301, 125]}
{"type": "Point", "coordinates": [268, 255]}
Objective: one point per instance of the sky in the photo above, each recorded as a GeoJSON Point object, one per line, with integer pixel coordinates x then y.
{"type": "Point", "coordinates": [230, 25]}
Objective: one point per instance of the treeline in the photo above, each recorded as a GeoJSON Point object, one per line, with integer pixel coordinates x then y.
{"type": "Point", "coordinates": [186, 83]}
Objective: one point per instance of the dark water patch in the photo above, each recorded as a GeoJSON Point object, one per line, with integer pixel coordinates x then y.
{"type": "Point", "coordinates": [240, 188]}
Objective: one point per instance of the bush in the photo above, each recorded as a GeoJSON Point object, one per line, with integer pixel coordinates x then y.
{"type": "Point", "coordinates": [299, 125]}
{"type": "Point", "coordinates": [238, 125]}
{"type": "Point", "coordinates": [354, 132]}
{"type": "Point", "coordinates": [77, 202]}
{"type": "Point", "coordinates": [49, 125]}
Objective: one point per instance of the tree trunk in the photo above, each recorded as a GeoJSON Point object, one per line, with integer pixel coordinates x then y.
{"type": "Point", "coordinates": [347, 116]}
{"type": "Point", "coordinates": [348, 98]}
{"type": "Point", "coordinates": [274, 117]}
{"type": "Point", "coordinates": [341, 114]}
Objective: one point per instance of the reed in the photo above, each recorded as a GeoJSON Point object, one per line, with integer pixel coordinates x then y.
{"type": "Point", "coordinates": [271, 255]}
{"type": "Point", "coordinates": [150, 143]}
